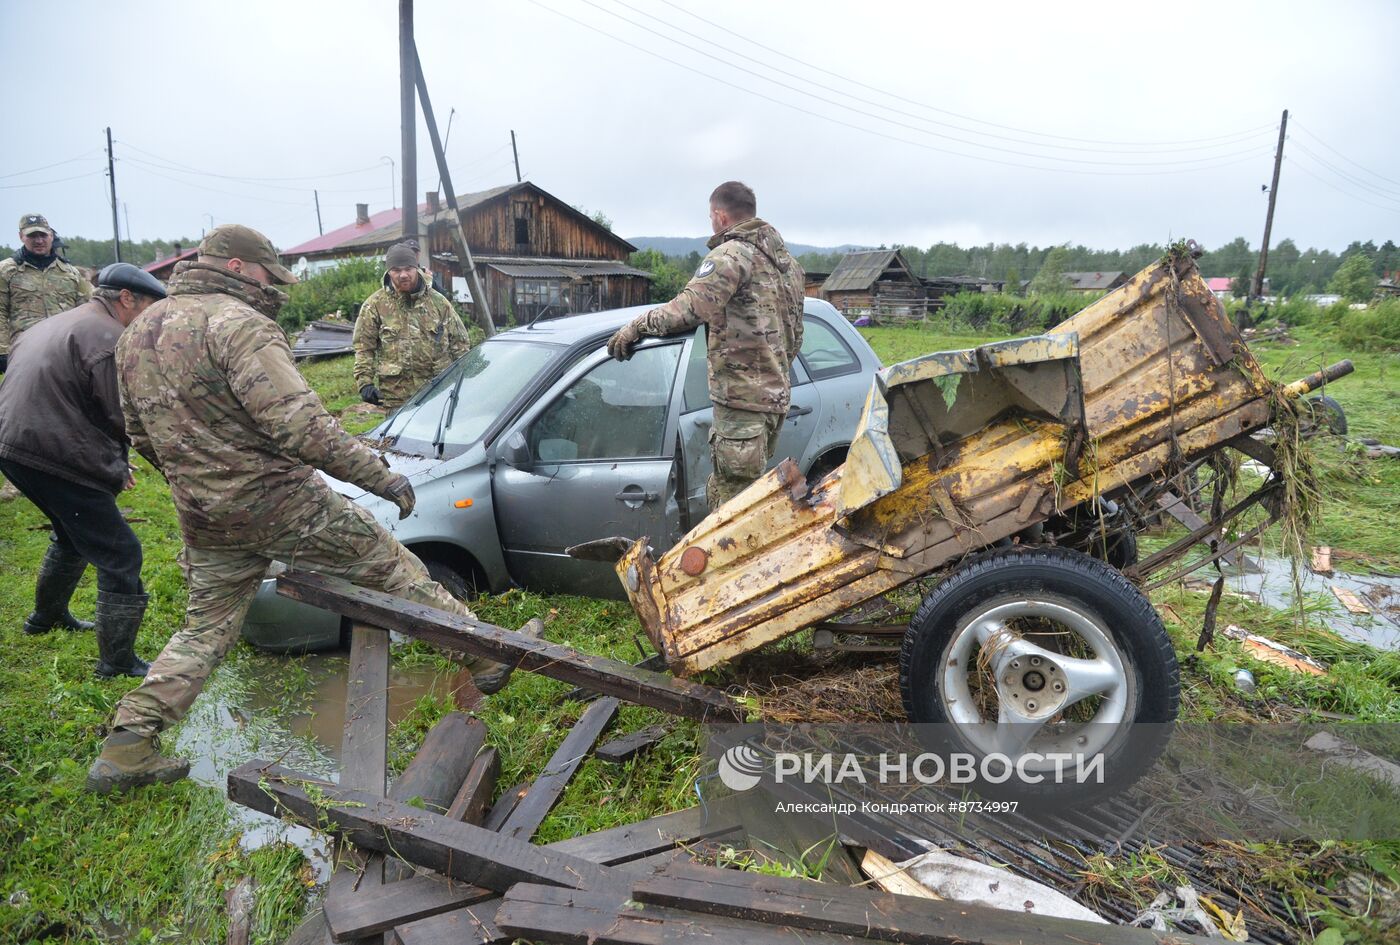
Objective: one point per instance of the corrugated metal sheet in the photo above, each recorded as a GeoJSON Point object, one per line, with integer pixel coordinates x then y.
{"type": "Point", "coordinates": [531, 272]}
{"type": "Point", "coordinates": [858, 271]}
{"type": "Point", "coordinates": [1095, 280]}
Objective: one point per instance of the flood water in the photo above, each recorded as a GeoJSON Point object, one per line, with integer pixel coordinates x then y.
{"type": "Point", "coordinates": [1272, 585]}
{"type": "Point", "coordinates": [289, 709]}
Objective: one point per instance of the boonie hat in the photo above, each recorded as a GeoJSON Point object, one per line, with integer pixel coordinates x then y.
{"type": "Point", "coordinates": [126, 276]}
{"type": "Point", "coordinates": [34, 222]}
{"type": "Point", "coordinates": [235, 241]}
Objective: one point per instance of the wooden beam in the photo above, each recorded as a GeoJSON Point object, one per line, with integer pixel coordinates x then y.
{"type": "Point", "coordinates": [462, 851]}
{"type": "Point", "coordinates": [644, 843]}
{"type": "Point", "coordinates": [626, 747]}
{"type": "Point", "coordinates": [435, 773]}
{"type": "Point", "coordinates": [828, 908]}
{"type": "Point", "coordinates": [473, 799]}
{"type": "Point", "coordinates": [504, 806]}
{"type": "Point", "coordinates": [464, 635]}
{"type": "Point", "coordinates": [545, 792]}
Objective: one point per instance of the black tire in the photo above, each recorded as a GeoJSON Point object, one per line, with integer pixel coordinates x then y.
{"type": "Point", "coordinates": [824, 465]}
{"type": "Point", "coordinates": [1322, 414]}
{"type": "Point", "coordinates": [1078, 584]}
{"type": "Point", "coordinates": [1119, 548]}
{"type": "Point", "coordinates": [463, 587]}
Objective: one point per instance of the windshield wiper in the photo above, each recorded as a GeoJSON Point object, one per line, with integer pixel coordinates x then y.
{"type": "Point", "coordinates": [448, 409]}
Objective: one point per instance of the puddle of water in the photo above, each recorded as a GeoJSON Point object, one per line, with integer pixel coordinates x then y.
{"type": "Point", "coordinates": [1273, 586]}
{"type": "Point", "coordinates": [261, 705]}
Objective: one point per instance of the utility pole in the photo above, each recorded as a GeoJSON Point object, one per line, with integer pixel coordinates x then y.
{"type": "Point", "coordinates": [408, 74]}
{"type": "Point", "coordinates": [317, 195]}
{"type": "Point", "coordinates": [517, 155]}
{"type": "Point", "coordinates": [1257, 290]}
{"type": "Point", "coordinates": [112, 179]}
{"type": "Point", "coordinates": [480, 306]}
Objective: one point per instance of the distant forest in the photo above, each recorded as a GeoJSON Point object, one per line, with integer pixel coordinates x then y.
{"type": "Point", "coordinates": [1291, 271]}
{"type": "Point", "coordinates": [98, 253]}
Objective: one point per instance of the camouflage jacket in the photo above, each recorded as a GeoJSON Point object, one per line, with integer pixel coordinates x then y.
{"type": "Point", "coordinates": [28, 294]}
{"type": "Point", "coordinates": [748, 291]}
{"type": "Point", "coordinates": [211, 397]}
{"type": "Point", "coordinates": [403, 341]}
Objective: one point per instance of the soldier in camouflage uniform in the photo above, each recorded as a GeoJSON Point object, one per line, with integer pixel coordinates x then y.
{"type": "Point", "coordinates": [35, 283]}
{"type": "Point", "coordinates": [211, 397]}
{"type": "Point", "coordinates": [406, 333]}
{"type": "Point", "coordinates": [748, 292]}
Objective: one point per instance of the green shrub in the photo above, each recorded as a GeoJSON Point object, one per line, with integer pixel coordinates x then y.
{"type": "Point", "coordinates": [1294, 311]}
{"type": "Point", "coordinates": [999, 312]}
{"type": "Point", "coordinates": [1376, 328]}
{"type": "Point", "coordinates": [343, 288]}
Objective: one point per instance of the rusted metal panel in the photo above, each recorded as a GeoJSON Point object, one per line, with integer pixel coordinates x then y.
{"type": "Point", "coordinates": [955, 451]}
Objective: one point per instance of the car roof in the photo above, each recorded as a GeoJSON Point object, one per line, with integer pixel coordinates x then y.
{"type": "Point", "coordinates": [570, 329]}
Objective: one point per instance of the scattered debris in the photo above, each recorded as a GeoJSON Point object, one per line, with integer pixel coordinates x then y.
{"type": "Point", "coordinates": [624, 749]}
{"type": "Point", "coordinates": [238, 899]}
{"type": "Point", "coordinates": [964, 880]}
{"type": "Point", "coordinates": [1322, 560]}
{"type": "Point", "coordinates": [1270, 651]}
{"type": "Point", "coordinates": [1350, 600]}
{"type": "Point", "coordinates": [1163, 914]}
{"type": "Point", "coordinates": [1244, 681]}
{"type": "Point", "coordinates": [324, 338]}
{"type": "Point", "coordinates": [892, 877]}
{"type": "Point", "coordinates": [1345, 753]}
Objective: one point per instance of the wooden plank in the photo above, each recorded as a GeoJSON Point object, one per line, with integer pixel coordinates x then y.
{"type": "Point", "coordinates": [462, 851]}
{"type": "Point", "coordinates": [238, 899]}
{"type": "Point", "coordinates": [893, 878]}
{"type": "Point", "coordinates": [1322, 559]}
{"type": "Point", "coordinates": [1350, 601]}
{"type": "Point", "coordinates": [505, 804]}
{"type": "Point", "coordinates": [626, 747]}
{"type": "Point", "coordinates": [473, 799]}
{"type": "Point", "coordinates": [442, 763]}
{"type": "Point", "coordinates": [475, 924]}
{"type": "Point", "coordinates": [643, 845]}
{"type": "Point", "coordinates": [827, 908]}
{"type": "Point", "coordinates": [463, 635]}
{"type": "Point", "coordinates": [584, 917]}
{"type": "Point", "coordinates": [1176, 507]}
{"type": "Point", "coordinates": [545, 792]}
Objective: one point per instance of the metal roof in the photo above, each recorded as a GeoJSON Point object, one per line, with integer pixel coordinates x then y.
{"type": "Point", "coordinates": [1094, 280]}
{"type": "Point", "coordinates": [514, 266]}
{"type": "Point", "coordinates": [531, 271]}
{"type": "Point", "coordinates": [857, 271]}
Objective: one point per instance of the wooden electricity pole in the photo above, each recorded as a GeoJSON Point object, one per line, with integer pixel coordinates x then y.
{"type": "Point", "coordinates": [408, 74]}
{"type": "Point", "coordinates": [319, 228]}
{"type": "Point", "coordinates": [516, 153]}
{"type": "Point", "coordinates": [112, 180]}
{"type": "Point", "coordinates": [1257, 290]}
{"type": "Point", "coordinates": [480, 306]}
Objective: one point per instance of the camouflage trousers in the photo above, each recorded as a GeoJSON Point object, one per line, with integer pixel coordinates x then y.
{"type": "Point", "coordinates": [344, 541]}
{"type": "Point", "coordinates": [741, 444]}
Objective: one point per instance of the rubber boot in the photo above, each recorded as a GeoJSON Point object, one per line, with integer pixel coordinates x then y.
{"type": "Point", "coordinates": [491, 677]}
{"type": "Point", "coordinates": [129, 760]}
{"type": "Point", "coordinates": [118, 619]}
{"type": "Point", "coordinates": [58, 577]}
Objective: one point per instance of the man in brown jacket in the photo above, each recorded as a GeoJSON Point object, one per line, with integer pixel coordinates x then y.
{"type": "Point", "coordinates": [63, 444]}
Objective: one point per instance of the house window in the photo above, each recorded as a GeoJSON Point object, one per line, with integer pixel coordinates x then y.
{"type": "Point", "coordinates": [536, 291]}
{"type": "Point", "coordinates": [522, 231]}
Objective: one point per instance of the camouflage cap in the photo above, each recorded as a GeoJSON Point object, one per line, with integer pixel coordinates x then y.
{"type": "Point", "coordinates": [32, 222]}
{"type": "Point", "coordinates": [234, 241]}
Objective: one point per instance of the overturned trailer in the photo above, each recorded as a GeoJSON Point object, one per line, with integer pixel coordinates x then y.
{"type": "Point", "coordinates": [1005, 470]}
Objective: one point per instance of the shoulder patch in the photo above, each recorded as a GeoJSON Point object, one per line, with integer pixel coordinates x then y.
{"type": "Point", "coordinates": [706, 267]}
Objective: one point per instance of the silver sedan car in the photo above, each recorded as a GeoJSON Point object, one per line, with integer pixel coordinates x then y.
{"type": "Point", "coordinates": [536, 440]}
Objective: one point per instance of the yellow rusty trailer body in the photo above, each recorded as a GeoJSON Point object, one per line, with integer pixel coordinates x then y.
{"type": "Point", "coordinates": [956, 451]}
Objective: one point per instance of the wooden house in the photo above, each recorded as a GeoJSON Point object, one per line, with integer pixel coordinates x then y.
{"type": "Point", "coordinates": [534, 254]}
{"type": "Point", "coordinates": [875, 282]}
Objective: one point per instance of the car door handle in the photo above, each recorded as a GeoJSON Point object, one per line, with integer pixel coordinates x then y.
{"type": "Point", "coordinates": [637, 494]}
{"type": "Point", "coordinates": [798, 412]}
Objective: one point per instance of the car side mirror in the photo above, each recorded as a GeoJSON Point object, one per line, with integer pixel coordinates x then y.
{"type": "Point", "coordinates": [516, 452]}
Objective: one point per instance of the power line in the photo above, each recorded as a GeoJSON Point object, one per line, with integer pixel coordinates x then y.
{"type": "Point", "coordinates": [1294, 162]}
{"type": "Point", "coordinates": [901, 124]}
{"type": "Point", "coordinates": [234, 177]}
{"type": "Point", "coordinates": [1238, 136]}
{"type": "Point", "coordinates": [944, 111]}
{"type": "Point", "coordinates": [1347, 176]}
{"type": "Point", "coordinates": [889, 137]}
{"type": "Point", "coordinates": [58, 180]}
{"type": "Point", "coordinates": [227, 193]}
{"type": "Point", "coordinates": [35, 170]}
{"type": "Point", "coordinates": [1344, 157]}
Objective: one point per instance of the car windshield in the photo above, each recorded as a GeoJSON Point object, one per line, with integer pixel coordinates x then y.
{"type": "Point", "coordinates": [485, 381]}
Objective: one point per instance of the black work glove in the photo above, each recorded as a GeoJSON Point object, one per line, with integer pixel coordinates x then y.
{"type": "Point", "coordinates": [369, 394]}
{"type": "Point", "coordinates": [400, 492]}
{"type": "Point", "coordinates": [622, 342]}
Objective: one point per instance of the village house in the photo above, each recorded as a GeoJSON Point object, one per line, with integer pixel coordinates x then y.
{"type": "Point", "coordinates": [1095, 281]}
{"type": "Point", "coordinates": [534, 254]}
{"type": "Point", "coordinates": [878, 282]}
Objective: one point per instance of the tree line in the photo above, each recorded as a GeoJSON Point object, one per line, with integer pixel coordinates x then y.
{"type": "Point", "coordinates": [95, 254]}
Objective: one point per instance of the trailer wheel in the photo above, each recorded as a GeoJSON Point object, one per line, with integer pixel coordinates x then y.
{"type": "Point", "coordinates": [1322, 414]}
{"type": "Point", "coordinates": [1039, 651]}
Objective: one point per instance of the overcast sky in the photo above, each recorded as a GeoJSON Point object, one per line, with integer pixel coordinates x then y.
{"type": "Point", "coordinates": [1106, 124]}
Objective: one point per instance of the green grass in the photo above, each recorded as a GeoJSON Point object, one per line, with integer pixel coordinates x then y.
{"type": "Point", "coordinates": [154, 866]}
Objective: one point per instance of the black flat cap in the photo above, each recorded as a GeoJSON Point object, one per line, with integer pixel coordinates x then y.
{"type": "Point", "coordinates": [127, 276]}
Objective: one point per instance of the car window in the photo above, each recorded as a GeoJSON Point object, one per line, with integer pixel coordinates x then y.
{"type": "Point", "coordinates": [492, 375]}
{"type": "Point", "coordinates": [616, 411]}
{"type": "Point", "coordinates": [697, 380]}
{"type": "Point", "coordinates": [825, 353]}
